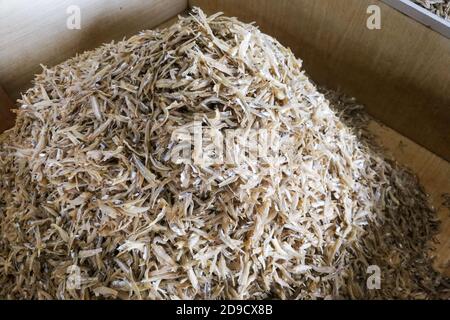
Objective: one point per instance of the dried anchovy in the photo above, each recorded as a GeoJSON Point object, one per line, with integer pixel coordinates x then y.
{"type": "Point", "coordinates": [88, 185]}
{"type": "Point", "coordinates": [400, 239]}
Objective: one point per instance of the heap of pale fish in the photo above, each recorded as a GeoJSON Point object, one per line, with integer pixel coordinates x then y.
{"type": "Point", "coordinates": [94, 203]}
{"type": "Point", "coordinates": [440, 8]}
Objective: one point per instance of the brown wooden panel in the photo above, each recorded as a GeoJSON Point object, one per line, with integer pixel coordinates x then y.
{"type": "Point", "coordinates": [401, 72]}
{"type": "Point", "coordinates": [35, 32]}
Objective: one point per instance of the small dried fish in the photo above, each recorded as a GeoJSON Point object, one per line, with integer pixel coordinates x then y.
{"type": "Point", "coordinates": [440, 8]}
{"type": "Point", "coordinates": [89, 253]}
{"type": "Point", "coordinates": [90, 182]}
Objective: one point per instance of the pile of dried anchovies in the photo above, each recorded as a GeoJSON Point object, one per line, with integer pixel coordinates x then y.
{"type": "Point", "coordinates": [93, 205]}
{"type": "Point", "coordinates": [440, 8]}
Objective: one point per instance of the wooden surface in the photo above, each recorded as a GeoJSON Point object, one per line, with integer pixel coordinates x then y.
{"type": "Point", "coordinates": [434, 175]}
{"type": "Point", "coordinates": [35, 32]}
{"type": "Point", "coordinates": [401, 72]}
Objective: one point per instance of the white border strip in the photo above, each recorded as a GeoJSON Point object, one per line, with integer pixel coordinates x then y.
{"type": "Point", "coordinates": [422, 15]}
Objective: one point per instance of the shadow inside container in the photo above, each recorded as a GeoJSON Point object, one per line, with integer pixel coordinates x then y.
{"type": "Point", "coordinates": [398, 243]}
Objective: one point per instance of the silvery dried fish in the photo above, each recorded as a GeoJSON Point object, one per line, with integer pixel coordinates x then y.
{"type": "Point", "coordinates": [88, 184]}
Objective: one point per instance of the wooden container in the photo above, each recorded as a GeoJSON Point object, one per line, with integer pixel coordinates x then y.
{"type": "Point", "coordinates": [401, 71]}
